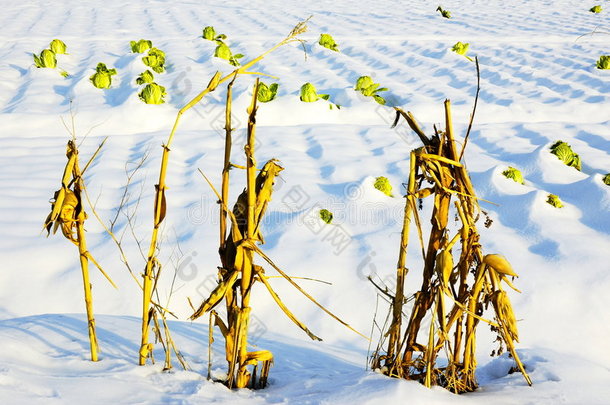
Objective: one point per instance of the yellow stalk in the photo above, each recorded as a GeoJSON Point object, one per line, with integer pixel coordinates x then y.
{"type": "Point", "coordinates": [84, 264]}
{"type": "Point", "coordinates": [401, 269]}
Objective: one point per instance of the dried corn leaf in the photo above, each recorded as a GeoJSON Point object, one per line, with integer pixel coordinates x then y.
{"type": "Point", "coordinates": [215, 296]}
{"type": "Point", "coordinates": [163, 209]}
{"type": "Point", "coordinates": [504, 311]}
{"type": "Point", "coordinates": [283, 307]}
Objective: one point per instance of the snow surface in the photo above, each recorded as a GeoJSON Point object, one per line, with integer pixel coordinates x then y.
{"type": "Point", "coordinates": [538, 85]}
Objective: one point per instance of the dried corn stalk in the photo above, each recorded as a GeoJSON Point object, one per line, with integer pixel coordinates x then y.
{"type": "Point", "coordinates": [68, 214]}
{"type": "Point", "coordinates": [239, 272]}
{"type": "Point", "coordinates": [454, 292]}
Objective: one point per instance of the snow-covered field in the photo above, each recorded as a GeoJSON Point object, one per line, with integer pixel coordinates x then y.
{"type": "Point", "coordinates": [539, 84]}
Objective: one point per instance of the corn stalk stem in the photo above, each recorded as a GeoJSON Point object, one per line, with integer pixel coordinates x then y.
{"type": "Point", "coordinates": [401, 269]}
{"type": "Point", "coordinates": [84, 264]}
{"type": "Point", "coordinates": [227, 165]}
{"type": "Point", "coordinates": [84, 255]}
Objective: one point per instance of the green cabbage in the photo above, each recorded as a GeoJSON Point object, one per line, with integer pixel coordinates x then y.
{"type": "Point", "coordinates": [224, 52]}
{"type": "Point", "coordinates": [141, 46]}
{"type": "Point", "coordinates": [444, 13]}
{"type": "Point", "coordinates": [363, 82]}
{"type": "Point", "coordinates": [513, 174]}
{"type": "Point", "coordinates": [47, 59]}
{"type": "Point", "coordinates": [155, 60]}
{"type": "Point", "coordinates": [461, 49]}
{"type": "Point", "coordinates": [58, 47]}
{"type": "Point", "coordinates": [368, 88]}
{"type": "Point", "coordinates": [596, 9]}
{"type": "Point", "coordinates": [153, 94]}
{"type": "Point", "coordinates": [145, 77]}
{"type": "Point", "coordinates": [327, 41]}
{"type": "Point", "coordinates": [603, 62]}
{"type": "Point", "coordinates": [383, 184]}
{"type": "Point", "coordinates": [326, 216]}
{"type": "Point", "coordinates": [606, 179]}
{"type": "Point", "coordinates": [209, 33]}
{"type": "Point", "coordinates": [102, 78]}
{"type": "Point", "coordinates": [554, 201]}
{"type": "Point", "coordinates": [310, 95]}
{"type": "Point", "coordinates": [565, 153]}
{"type": "Point", "coordinates": [266, 93]}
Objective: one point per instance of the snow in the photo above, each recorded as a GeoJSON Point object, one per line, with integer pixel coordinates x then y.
{"type": "Point", "coordinates": [539, 84]}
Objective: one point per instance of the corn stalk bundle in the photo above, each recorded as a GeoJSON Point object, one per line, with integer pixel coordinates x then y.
{"type": "Point", "coordinates": [456, 288]}
{"type": "Point", "coordinates": [68, 214]}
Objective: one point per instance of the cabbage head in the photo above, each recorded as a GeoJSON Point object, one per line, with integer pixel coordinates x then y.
{"type": "Point", "coordinates": [363, 82]}
{"type": "Point", "coordinates": [603, 62]}
{"type": "Point", "coordinates": [327, 41]}
{"type": "Point", "coordinates": [310, 95]}
{"type": "Point", "coordinates": [58, 46]}
{"type": "Point", "coordinates": [102, 78]}
{"type": "Point", "coordinates": [461, 49]}
{"type": "Point", "coordinates": [565, 153]}
{"type": "Point", "coordinates": [153, 94]}
{"type": "Point", "coordinates": [326, 215]}
{"type": "Point", "coordinates": [209, 33]}
{"type": "Point", "coordinates": [224, 52]}
{"type": "Point", "coordinates": [155, 60]}
{"type": "Point", "coordinates": [141, 46]}
{"type": "Point", "coordinates": [554, 201]}
{"type": "Point", "coordinates": [383, 184]}
{"type": "Point", "coordinates": [368, 88]}
{"type": "Point", "coordinates": [145, 77]}
{"type": "Point", "coordinates": [47, 59]}
{"type": "Point", "coordinates": [266, 93]}
{"type": "Point", "coordinates": [513, 174]}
